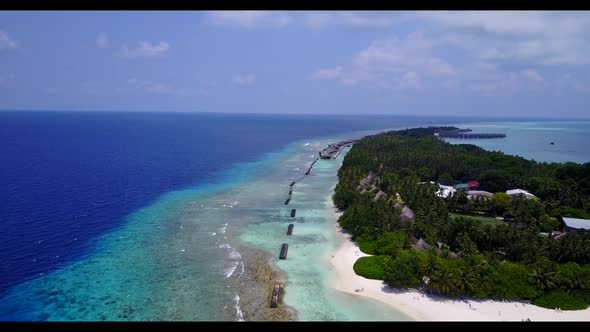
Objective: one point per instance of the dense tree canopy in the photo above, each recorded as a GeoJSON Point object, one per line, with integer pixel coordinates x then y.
{"type": "Point", "coordinates": [469, 252]}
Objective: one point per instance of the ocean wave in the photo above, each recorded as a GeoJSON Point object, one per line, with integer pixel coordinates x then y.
{"type": "Point", "coordinates": [222, 229]}
{"type": "Point", "coordinates": [235, 255]}
{"type": "Point", "coordinates": [306, 144]}
{"type": "Point", "coordinates": [229, 271]}
{"type": "Point", "coordinates": [238, 310]}
{"type": "Point", "coordinates": [212, 233]}
{"type": "Point", "coordinates": [225, 246]}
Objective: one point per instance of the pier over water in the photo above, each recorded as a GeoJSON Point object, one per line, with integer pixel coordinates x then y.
{"type": "Point", "coordinates": [333, 150]}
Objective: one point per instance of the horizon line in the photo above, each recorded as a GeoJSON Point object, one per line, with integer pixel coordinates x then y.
{"type": "Point", "coordinates": [289, 113]}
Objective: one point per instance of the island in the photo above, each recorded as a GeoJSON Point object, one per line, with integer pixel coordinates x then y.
{"type": "Point", "coordinates": [457, 221]}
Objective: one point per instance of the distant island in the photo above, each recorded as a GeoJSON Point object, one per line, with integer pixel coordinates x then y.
{"type": "Point", "coordinates": [452, 132]}
{"type": "Point", "coordinates": [457, 220]}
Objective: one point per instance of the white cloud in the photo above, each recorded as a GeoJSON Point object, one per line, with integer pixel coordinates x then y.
{"type": "Point", "coordinates": [406, 63]}
{"type": "Point", "coordinates": [102, 41]}
{"type": "Point", "coordinates": [545, 38]}
{"type": "Point", "coordinates": [249, 19]}
{"type": "Point", "coordinates": [248, 79]}
{"type": "Point", "coordinates": [327, 73]}
{"type": "Point", "coordinates": [533, 75]}
{"type": "Point", "coordinates": [6, 42]}
{"type": "Point", "coordinates": [151, 86]}
{"type": "Point", "coordinates": [145, 49]}
{"type": "Point", "coordinates": [253, 19]}
{"type": "Point", "coordinates": [367, 19]}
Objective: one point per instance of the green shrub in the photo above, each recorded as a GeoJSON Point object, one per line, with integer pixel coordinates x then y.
{"type": "Point", "coordinates": [403, 271]}
{"type": "Point", "coordinates": [370, 267]}
{"type": "Point", "coordinates": [560, 298]}
{"type": "Point", "coordinates": [368, 247]}
{"type": "Point", "coordinates": [389, 243]}
{"type": "Point", "coordinates": [513, 281]}
{"type": "Point", "coordinates": [548, 222]}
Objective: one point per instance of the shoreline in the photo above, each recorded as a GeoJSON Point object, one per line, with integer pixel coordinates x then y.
{"type": "Point", "coordinates": [424, 307]}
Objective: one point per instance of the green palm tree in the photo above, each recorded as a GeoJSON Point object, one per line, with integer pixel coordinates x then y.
{"type": "Point", "coordinates": [545, 277]}
{"type": "Point", "coordinates": [443, 282]}
{"type": "Point", "coordinates": [431, 265]}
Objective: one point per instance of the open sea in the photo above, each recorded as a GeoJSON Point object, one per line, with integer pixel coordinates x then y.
{"type": "Point", "coordinates": [140, 216]}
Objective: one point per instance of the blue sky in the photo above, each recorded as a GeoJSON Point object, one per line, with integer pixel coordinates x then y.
{"type": "Point", "coordinates": [418, 63]}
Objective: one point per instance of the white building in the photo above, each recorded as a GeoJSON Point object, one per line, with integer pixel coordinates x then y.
{"type": "Point", "coordinates": [516, 192]}
{"type": "Point", "coordinates": [445, 191]}
{"type": "Point", "coordinates": [573, 224]}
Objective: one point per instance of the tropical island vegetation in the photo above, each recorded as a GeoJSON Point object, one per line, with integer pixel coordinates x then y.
{"type": "Point", "coordinates": [501, 246]}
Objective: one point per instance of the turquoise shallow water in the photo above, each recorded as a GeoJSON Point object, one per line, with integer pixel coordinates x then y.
{"type": "Point", "coordinates": [313, 240]}
{"type": "Point", "coordinates": [531, 139]}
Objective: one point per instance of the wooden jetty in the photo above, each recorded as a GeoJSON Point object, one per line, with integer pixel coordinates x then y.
{"type": "Point", "coordinates": [334, 149]}
{"type": "Point", "coordinates": [276, 291]}
{"type": "Point", "coordinates": [284, 249]}
{"type": "Point", "coordinates": [290, 229]}
{"type": "Point", "coordinates": [310, 167]}
{"type": "Point", "coordinates": [293, 212]}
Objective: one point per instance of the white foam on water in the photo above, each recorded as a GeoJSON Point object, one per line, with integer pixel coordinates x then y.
{"type": "Point", "coordinates": [241, 272]}
{"type": "Point", "coordinates": [238, 310]}
{"type": "Point", "coordinates": [212, 233]}
{"type": "Point", "coordinates": [306, 144]}
{"type": "Point", "coordinates": [225, 246]}
{"type": "Point", "coordinates": [222, 229]}
{"type": "Point", "coordinates": [229, 271]}
{"type": "Point", "coordinates": [235, 255]}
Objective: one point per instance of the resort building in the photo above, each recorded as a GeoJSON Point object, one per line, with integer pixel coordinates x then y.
{"type": "Point", "coordinates": [445, 191]}
{"type": "Point", "coordinates": [573, 224]}
{"type": "Point", "coordinates": [467, 186]}
{"type": "Point", "coordinates": [420, 244]}
{"type": "Point", "coordinates": [479, 193]}
{"type": "Point", "coordinates": [516, 192]}
{"type": "Point", "coordinates": [407, 214]}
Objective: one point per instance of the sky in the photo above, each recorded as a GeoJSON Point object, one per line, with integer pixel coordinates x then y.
{"type": "Point", "coordinates": [506, 64]}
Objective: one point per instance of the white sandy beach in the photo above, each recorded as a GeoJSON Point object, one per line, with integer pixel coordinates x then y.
{"type": "Point", "coordinates": [420, 306]}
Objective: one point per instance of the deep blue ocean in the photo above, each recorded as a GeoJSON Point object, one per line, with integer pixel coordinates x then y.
{"type": "Point", "coordinates": [69, 178]}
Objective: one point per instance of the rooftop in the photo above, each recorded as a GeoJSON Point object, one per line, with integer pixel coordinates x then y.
{"type": "Point", "coordinates": [577, 223]}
